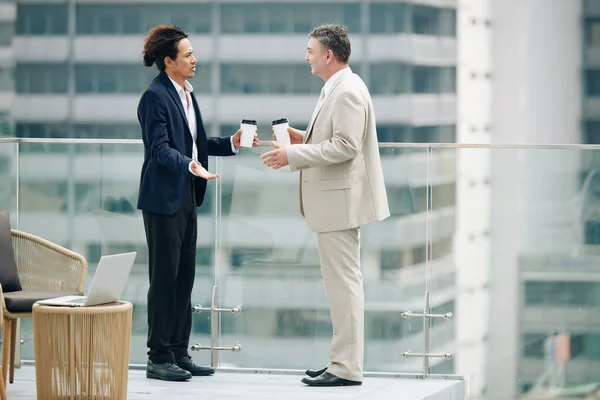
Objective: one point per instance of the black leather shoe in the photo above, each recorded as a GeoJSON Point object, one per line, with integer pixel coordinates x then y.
{"type": "Point", "coordinates": [193, 368]}
{"type": "Point", "coordinates": [313, 373]}
{"type": "Point", "coordinates": [329, 379]}
{"type": "Point", "coordinates": [166, 372]}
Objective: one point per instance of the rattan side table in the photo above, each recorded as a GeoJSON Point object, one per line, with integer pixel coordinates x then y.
{"type": "Point", "coordinates": [82, 352]}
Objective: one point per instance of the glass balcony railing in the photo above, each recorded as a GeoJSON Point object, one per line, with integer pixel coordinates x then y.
{"type": "Point", "coordinates": [499, 242]}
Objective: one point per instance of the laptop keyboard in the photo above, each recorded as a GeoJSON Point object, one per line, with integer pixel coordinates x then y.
{"type": "Point", "coordinates": [78, 301]}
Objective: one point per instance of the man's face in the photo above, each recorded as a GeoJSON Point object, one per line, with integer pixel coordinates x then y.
{"type": "Point", "coordinates": [316, 55]}
{"type": "Point", "coordinates": [185, 63]}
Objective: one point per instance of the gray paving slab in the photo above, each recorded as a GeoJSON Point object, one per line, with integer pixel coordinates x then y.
{"type": "Point", "coordinates": [260, 386]}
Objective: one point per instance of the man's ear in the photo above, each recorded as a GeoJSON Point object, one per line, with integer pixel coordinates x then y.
{"type": "Point", "coordinates": [329, 54]}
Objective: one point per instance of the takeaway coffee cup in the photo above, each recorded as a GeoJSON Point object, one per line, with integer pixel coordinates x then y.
{"type": "Point", "coordinates": [282, 135]}
{"type": "Point", "coordinates": [248, 127]}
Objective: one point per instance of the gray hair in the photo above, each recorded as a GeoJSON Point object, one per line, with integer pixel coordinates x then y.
{"type": "Point", "coordinates": [334, 38]}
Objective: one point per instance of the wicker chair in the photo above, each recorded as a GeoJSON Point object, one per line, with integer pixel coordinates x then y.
{"type": "Point", "coordinates": [43, 270]}
{"type": "Point", "coordinates": [2, 380]}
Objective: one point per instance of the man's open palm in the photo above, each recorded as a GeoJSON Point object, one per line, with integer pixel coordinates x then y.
{"type": "Point", "coordinates": [201, 172]}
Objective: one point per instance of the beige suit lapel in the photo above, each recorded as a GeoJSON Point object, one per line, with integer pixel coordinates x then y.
{"type": "Point", "coordinates": [346, 73]}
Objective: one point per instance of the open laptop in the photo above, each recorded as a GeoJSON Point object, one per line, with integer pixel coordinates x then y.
{"type": "Point", "coordinates": [107, 286]}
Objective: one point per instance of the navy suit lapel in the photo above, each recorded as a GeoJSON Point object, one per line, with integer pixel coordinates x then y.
{"type": "Point", "coordinates": [175, 96]}
{"type": "Point", "coordinates": [199, 124]}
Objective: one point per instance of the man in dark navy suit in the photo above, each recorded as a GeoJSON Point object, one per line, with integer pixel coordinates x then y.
{"type": "Point", "coordinates": [173, 183]}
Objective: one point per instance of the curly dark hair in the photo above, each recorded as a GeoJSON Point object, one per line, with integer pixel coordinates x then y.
{"type": "Point", "coordinates": [335, 38]}
{"type": "Point", "coordinates": [161, 42]}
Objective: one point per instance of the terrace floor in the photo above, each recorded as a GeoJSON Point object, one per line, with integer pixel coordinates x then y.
{"type": "Point", "coordinates": [263, 385]}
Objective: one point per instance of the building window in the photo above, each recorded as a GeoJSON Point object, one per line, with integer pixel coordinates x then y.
{"type": "Point", "coordinates": [581, 345]}
{"type": "Point", "coordinates": [396, 259]}
{"type": "Point", "coordinates": [132, 78]}
{"type": "Point", "coordinates": [418, 19]}
{"type": "Point", "coordinates": [389, 17]}
{"type": "Point", "coordinates": [5, 124]}
{"type": "Point", "coordinates": [399, 78]}
{"type": "Point", "coordinates": [416, 134]}
{"type": "Point", "coordinates": [107, 131]}
{"type": "Point", "coordinates": [433, 21]}
{"type": "Point", "coordinates": [591, 7]}
{"type": "Point", "coordinates": [413, 134]}
{"type": "Point", "coordinates": [592, 132]}
{"type": "Point", "coordinates": [302, 323]}
{"type": "Point", "coordinates": [390, 78]}
{"type": "Point", "coordinates": [6, 80]}
{"type": "Point", "coordinates": [387, 78]}
{"type": "Point", "coordinates": [6, 33]}
{"type": "Point", "coordinates": [533, 345]}
{"type": "Point", "coordinates": [80, 130]}
{"type": "Point", "coordinates": [393, 260]}
{"type": "Point", "coordinates": [394, 133]}
{"type": "Point", "coordinates": [83, 131]}
{"type": "Point", "coordinates": [425, 20]}
{"type": "Point", "coordinates": [592, 82]}
{"type": "Point", "coordinates": [426, 79]}
{"type": "Point", "coordinates": [592, 31]}
{"type": "Point", "coordinates": [287, 18]}
{"type": "Point", "coordinates": [125, 19]}
{"type": "Point", "coordinates": [447, 79]}
{"type": "Point", "coordinates": [561, 294]}
{"type": "Point", "coordinates": [447, 22]}
{"type": "Point", "coordinates": [32, 130]}
{"type": "Point", "coordinates": [268, 78]}
{"type": "Point", "coordinates": [42, 19]}
{"type": "Point", "coordinates": [41, 78]}
{"type": "Point", "coordinates": [385, 326]}
{"type": "Point", "coordinates": [592, 346]}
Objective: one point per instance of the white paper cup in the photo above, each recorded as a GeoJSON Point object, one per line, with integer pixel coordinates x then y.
{"type": "Point", "coordinates": [248, 128]}
{"type": "Point", "coordinates": [280, 127]}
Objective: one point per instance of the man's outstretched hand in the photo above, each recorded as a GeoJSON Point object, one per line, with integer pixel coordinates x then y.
{"type": "Point", "coordinates": [275, 158]}
{"type": "Point", "coordinates": [201, 172]}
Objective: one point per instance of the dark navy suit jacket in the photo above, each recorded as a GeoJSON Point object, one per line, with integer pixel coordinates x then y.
{"type": "Point", "coordinates": [165, 176]}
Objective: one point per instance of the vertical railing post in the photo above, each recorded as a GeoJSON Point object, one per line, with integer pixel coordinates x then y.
{"type": "Point", "coordinates": [426, 354]}
{"type": "Point", "coordinates": [426, 338]}
{"type": "Point", "coordinates": [215, 309]}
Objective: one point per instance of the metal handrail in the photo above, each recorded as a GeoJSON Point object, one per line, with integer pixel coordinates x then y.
{"type": "Point", "coordinates": [392, 145]}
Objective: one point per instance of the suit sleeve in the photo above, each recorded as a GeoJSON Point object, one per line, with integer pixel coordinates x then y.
{"type": "Point", "coordinates": [348, 120]}
{"type": "Point", "coordinates": [152, 114]}
{"type": "Point", "coordinates": [220, 146]}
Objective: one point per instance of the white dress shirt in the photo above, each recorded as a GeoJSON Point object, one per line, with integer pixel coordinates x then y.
{"type": "Point", "coordinates": [331, 81]}
{"type": "Point", "coordinates": [190, 114]}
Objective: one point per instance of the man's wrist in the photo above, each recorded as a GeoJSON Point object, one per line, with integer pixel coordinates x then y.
{"type": "Point", "coordinates": [233, 148]}
{"type": "Point", "coordinates": [190, 168]}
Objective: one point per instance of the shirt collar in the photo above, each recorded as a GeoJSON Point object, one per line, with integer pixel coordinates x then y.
{"type": "Point", "coordinates": [188, 86]}
{"type": "Point", "coordinates": [329, 84]}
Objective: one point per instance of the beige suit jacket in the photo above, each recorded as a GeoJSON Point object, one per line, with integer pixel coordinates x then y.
{"type": "Point", "coordinates": [341, 180]}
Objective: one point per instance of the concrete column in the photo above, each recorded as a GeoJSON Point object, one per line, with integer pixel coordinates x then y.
{"type": "Point", "coordinates": [471, 241]}
{"type": "Point", "coordinates": [536, 98]}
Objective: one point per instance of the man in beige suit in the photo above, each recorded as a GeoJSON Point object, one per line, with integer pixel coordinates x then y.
{"type": "Point", "coordinates": [341, 189]}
